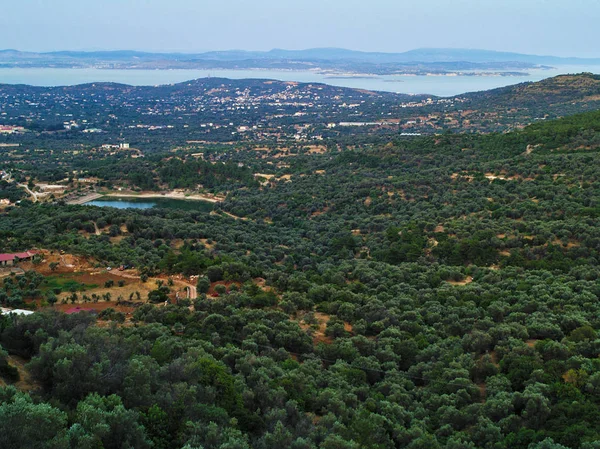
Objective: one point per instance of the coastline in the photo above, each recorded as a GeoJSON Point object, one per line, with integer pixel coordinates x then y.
{"type": "Point", "coordinates": [441, 85]}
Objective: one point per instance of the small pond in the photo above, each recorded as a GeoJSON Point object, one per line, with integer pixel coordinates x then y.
{"type": "Point", "coordinates": [147, 203]}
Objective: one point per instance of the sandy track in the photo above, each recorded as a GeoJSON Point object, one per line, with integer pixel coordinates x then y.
{"type": "Point", "coordinates": [85, 199]}
{"type": "Point", "coordinates": [33, 194]}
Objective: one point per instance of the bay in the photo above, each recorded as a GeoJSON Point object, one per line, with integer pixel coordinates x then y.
{"type": "Point", "coordinates": [433, 85]}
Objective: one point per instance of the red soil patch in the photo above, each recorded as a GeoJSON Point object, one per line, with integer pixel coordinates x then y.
{"type": "Point", "coordinates": [318, 335]}
{"type": "Point", "coordinates": [78, 309]}
{"type": "Point", "coordinates": [319, 212]}
{"type": "Point", "coordinates": [262, 283]}
{"type": "Point", "coordinates": [212, 292]}
{"type": "Point", "coordinates": [98, 278]}
{"type": "Point", "coordinates": [531, 343]}
{"type": "Point", "coordinates": [92, 306]}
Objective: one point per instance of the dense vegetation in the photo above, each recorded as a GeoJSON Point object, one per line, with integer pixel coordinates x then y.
{"type": "Point", "coordinates": [431, 293]}
{"type": "Point", "coordinates": [10, 191]}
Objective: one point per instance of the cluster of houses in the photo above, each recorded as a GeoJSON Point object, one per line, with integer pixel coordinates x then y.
{"type": "Point", "coordinates": [120, 146]}
{"type": "Point", "coordinates": [9, 129]}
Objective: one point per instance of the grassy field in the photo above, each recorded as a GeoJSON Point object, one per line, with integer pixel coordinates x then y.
{"type": "Point", "coordinates": [66, 282]}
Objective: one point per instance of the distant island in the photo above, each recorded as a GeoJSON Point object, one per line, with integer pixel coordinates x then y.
{"type": "Point", "coordinates": [337, 62]}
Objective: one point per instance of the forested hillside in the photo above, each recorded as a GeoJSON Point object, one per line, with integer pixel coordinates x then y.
{"type": "Point", "coordinates": [438, 292]}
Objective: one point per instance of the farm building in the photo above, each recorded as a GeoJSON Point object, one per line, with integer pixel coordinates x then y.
{"type": "Point", "coordinates": [10, 258]}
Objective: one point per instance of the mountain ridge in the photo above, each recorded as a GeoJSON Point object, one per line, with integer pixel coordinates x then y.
{"type": "Point", "coordinates": [330, 54]}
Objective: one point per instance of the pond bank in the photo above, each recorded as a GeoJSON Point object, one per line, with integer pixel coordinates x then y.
{"type": "Point", "coordinates": [170, 195]}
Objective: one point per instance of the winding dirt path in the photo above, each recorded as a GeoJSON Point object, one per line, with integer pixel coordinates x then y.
{"type": "Point", "coordinates": [33, 194]}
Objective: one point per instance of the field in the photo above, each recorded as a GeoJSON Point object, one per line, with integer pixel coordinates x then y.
{"type": "Point", "coordinates": [91, 284]}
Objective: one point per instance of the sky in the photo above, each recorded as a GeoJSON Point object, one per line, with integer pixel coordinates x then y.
{"type": "Point", "coordinates": [543, 27]}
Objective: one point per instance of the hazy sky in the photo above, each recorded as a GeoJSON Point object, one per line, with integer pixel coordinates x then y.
{"type": "Point", "coordinates": [557, 27]}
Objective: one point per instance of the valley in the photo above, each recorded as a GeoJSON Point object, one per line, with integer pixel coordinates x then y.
{"type": "Point", "coordinates": [361, 289]}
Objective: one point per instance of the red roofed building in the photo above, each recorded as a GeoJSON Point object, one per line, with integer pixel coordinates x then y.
{"type": "Point", "coordinates": [79, 309]}
{"type": "Point", "coordinates": [9, 259]}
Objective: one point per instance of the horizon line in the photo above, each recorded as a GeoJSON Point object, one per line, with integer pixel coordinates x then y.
{"type": "Point", "coordinates": [232, 50]}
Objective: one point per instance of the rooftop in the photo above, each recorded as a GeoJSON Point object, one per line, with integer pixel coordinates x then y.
{"type": "Point", "coordinates": [11, 256]}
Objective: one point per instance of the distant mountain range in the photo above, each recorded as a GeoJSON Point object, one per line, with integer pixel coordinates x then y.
{"type": "Point", "coordinates": [420, 61]}
{"type": "Point", "coordinates": [313, 54]}
{"type": "Point", "coordinates": [424, 55]}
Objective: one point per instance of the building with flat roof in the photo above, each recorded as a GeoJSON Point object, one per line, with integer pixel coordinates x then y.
{"type": "Point", "coordinates": [4, 311]}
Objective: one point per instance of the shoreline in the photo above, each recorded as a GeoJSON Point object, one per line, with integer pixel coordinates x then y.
{"type": "Point", "coordinates": [170, 195]}
{"type": "Point", "coordinates": [83, 199]}
{"type": "Point", "coordinates": [441, 86]}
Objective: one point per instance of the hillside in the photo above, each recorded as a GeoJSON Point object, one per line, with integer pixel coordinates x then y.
{"type": "Point", "coordinates": [516, 106]}
{"type": "Point", "coordinates": [217, 109]}
{"type": "Point", "coordinates": [549, 93]}
{"type": "Point", "coordinates": [374, 292]}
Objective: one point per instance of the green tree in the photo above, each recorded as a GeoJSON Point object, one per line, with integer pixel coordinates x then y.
{"type": "Point", "coordinates": [105, 422]}
{"type": "Point", "coordinates": [24, 424]}
{"type": "Point", "coordinates": [203, 284]}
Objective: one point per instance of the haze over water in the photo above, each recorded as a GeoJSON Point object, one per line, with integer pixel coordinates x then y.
{"type": "Point", "coordinates": [434, 85]}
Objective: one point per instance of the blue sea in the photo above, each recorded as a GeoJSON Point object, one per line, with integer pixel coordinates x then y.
{"type": "Point", "coordinates": [434, 85]}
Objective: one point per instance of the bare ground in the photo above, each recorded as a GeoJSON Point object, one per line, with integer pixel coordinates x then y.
{"type": "Point", "coordinates": [465, 281]}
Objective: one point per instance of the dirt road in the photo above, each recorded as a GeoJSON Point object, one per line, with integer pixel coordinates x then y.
{"type": "Point", "coordinates": [85, 199]}
{"type": "Point", "coordinates": [33, 194]}
{"type": "Point", "coordinates": [192, 292]}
